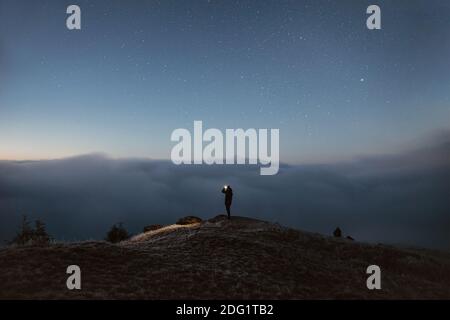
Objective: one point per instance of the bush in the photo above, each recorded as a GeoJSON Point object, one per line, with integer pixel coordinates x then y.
{"type": "Point", "coordinates": [117, 234]}
{"type": "Point", "coordinates": [30, 236]}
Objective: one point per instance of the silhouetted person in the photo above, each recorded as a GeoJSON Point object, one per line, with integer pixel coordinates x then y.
{"type": "Point", "coordinates": [228, 198]}
{"type": "Point", "coordinates": [337, 233]}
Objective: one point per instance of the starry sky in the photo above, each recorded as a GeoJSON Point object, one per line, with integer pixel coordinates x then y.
{"type": "Point", "coordinates": [137, 70]}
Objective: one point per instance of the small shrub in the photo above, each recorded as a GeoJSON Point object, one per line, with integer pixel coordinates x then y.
{"type": "Point", "coordinates": [117, 234]}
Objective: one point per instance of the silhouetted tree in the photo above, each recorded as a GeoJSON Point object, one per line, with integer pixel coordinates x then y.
{"type": "Point", "coordinates": [40, 236]}
{"type": "Point", "coordinates": [27, 235]}
{"type": "Point", "coordinates": [117, 233]}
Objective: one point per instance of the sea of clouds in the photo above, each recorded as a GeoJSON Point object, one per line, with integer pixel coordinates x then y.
{"type": "Point", "coordinates": [402, 198]}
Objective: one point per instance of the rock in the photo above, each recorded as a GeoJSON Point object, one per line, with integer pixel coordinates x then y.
{"type": "Point", "coordinates": [189, 220]}
{"type": "Point", "coordinates": [337, 233]}
{"type": "Point", "coordinates": [152, 227]}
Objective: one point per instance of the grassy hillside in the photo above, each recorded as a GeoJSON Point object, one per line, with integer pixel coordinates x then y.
{"type": "Point", "coordinates": [220, 259]}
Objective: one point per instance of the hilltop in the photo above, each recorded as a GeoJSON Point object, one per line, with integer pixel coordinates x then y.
{"type": "Point", "coordinates": [219, 259]}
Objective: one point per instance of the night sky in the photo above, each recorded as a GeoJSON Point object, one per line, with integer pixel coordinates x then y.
{"type": "Point", "coordinates": [137, 70]}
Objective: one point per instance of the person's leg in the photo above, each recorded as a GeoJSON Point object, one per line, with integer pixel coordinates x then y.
{"type": "Point", "coordinates": [228, 210]}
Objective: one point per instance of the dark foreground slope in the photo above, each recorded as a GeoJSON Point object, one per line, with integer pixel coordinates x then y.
{"type": "Point", "coordinates": [219, 259]}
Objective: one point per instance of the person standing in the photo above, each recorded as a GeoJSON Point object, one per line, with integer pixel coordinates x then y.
{"type": "Point", "coordinates": [228, 199]}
